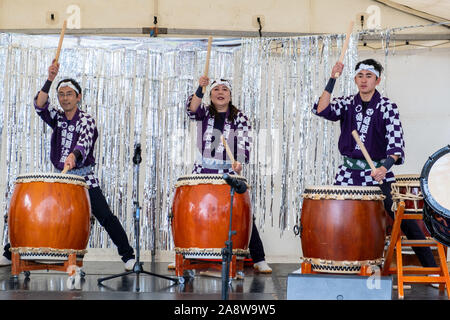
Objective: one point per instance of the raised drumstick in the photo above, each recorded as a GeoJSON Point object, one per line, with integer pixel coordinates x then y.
{"type": "Point", "coordinates": [364, 151]}
{"type": "Point", "coordinates": [208, 54]}
{"type": "Point", "coordinates": [345, 46]}
{"type": "Point", "coordinates": [61, 38]}
{"type": "Point", "coordinates": [227, 148]}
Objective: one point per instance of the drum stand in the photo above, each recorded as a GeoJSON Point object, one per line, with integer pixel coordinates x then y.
{"type": "Point", "coordinates": [137, 269]}
{"type": "Point", "coordinates": [396, 242]}
{"type": "Point", "coordinates": [18, 265]}
{"type": "Point", "coordinates": [227, 253]}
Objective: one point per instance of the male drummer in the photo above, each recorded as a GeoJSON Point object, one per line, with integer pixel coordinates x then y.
{"type": "Point", "coordinates": [72, 147]}
{"type": "Point", "coordinates": [377, 122]}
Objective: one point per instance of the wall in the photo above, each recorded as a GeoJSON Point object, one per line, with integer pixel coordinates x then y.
{"type": "Point", "coordinates": [302, 16]}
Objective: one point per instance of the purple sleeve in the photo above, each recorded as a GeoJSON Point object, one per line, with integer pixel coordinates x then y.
{"type": "Point", "coordinates": [333, 111]}
{"type": "Point", "coordinates": [244, 139]}
{"type": "Point", "coordinates": [47, 113]}
{"type": "Point", "coordinates": [85, 140]}
{"type": "Point", "coordinates": [199, 114]}
{"type": "Point", "coordinates": [394, 132]}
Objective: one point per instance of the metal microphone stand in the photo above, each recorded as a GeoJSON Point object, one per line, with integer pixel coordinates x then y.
{"type": "Point", "coordinates": [227, 253]}
{"type": "Point", "coordinates": [137, 268]}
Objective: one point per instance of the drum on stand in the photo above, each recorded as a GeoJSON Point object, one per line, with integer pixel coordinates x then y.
{"type": "Point", "coordinates": [435, 184]}
{"type": "Point", "coordinates": [342, 228]}
{"type": "Point", "coordinates": [407, 188]}
{"type": "Point", "coordinates": [49, 217]}
{"type": "Point", "coordinates": [201, 216]}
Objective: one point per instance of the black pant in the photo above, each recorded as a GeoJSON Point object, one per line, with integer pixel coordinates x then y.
{"type": "Point", "coordinates": [100, 209]}
{"type": "Point", "coordinates": [255, 246]}
{"type": "Point", "coordinates": [410, 228]}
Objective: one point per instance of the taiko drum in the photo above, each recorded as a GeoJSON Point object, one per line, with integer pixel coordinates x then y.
{"type": "Point", "coordinates": [49, 212]}
{"type": "Point", "coordinates": [201, 216]}
{"type": "Point", "coordinates": [435, 185]}
{"type": "Point", "coordinates": [342, 228]}
{"type": "Point", "coordinates": [406, 188]}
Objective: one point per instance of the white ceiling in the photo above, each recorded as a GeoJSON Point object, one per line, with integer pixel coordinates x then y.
{"type": "Point", "coordinates": [438, 8]}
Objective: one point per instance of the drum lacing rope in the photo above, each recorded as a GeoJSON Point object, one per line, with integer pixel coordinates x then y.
{"type": "Point", "coordinates": [343, 193]}
{"type": "Point", "coordinates": [334, 266]}
{"type": "Point", "coordinates": [397, 196]}
{"type": "Point", "coordinates": [197, 179]}
{"type": "Point", "coordinates": [46, 250]}
{"type": "Point", "coordinates": [53, 178]}
{"type": "Point", "coordinates": [209, 251]}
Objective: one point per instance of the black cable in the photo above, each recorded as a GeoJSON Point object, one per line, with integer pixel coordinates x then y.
{"type": "Point", "coordinates": [260, 26]}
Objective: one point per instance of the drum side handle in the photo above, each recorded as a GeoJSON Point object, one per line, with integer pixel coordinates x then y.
{"type": "Point", "coordinates": [298, 229]}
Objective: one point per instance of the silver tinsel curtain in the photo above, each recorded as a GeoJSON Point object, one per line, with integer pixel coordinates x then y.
{"type": "Point", "coordinates": [136, 89]}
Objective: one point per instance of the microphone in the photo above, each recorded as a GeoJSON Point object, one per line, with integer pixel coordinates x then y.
{"type": "Point", "coordinates": [137, 154]}
{"type": "Point", "coordinates": [238, 185]}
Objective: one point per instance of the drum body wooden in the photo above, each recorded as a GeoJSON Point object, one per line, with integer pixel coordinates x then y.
{"type": "Point", "coordinates": [49, 216]}
{"type": "Point", "coordinates": [201, 216]}
{"type": "Point", "coordinates": [342, 228]}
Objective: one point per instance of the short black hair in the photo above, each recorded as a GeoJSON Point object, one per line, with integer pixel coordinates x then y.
{"type": "Point", "coordinates": [72, 81]}
{"type": "Point", "coordinates": [371, 62]}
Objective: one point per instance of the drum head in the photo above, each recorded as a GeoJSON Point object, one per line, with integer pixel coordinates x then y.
{"type": "Point", "coordinates": [51, 178]}
{"type": "Point", "coordinates": [435, 181]}
{"type": "Point", "coordinates": [435, 185]}
{"type": "Point", "coordinates": [212, 178]}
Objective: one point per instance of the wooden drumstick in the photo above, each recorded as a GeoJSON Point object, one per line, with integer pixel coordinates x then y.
{"type": "Point", "coordinates": [345, 46]}
{"type": "Point", "coordinates": [364, 151]}
{"type": "Point", "coordinates": [227, 148]}
{"type": "Point", "coordinates": [61, 38]}
{"type": "Point", "coordinates": [208, 54]}
{"type": "Point", "coordinates": [66, 168]}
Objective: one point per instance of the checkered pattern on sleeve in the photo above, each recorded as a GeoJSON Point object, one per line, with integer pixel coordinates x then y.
{"type": "Point", "coordinates": [244, 138]}
{"type": "Point", "coordinates": [349, 177]}
{"type": "Point", "coordinates": [341, 103]}
{"type": "Point", "coordinates": [198, 168]}
{"type": "Point", "coordinates": [337, 107]}
{"type": "Point", "coordinates": [394, 130]}
{"type": "Point", "coordinates": [86, 134]}
{"type": "Point", "coordinates": [91, 180]}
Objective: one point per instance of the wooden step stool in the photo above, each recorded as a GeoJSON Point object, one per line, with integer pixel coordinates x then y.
{"type": "Point", "coordinates": [396, 243]}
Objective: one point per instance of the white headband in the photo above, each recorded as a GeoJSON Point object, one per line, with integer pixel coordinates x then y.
{"type": "Point", "coordinates": [70, 85]}
{"type": "Point", "coordinates": [367, 67]}
{"type": "Point", "coordinates": [219, 82]}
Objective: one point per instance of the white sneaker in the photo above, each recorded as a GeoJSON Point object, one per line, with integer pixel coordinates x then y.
{"type": "Point", "coordinates": [262, 267]}
{"type": "Point", "coordinates": [299, 270]}
{"type": "Point", "coordinates": [4, 261]}
{"type": "Point", "coordinates": [130, 264]}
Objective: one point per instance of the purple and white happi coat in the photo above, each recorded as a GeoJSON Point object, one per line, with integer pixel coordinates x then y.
{"type": "Point", "coordinates": [379, 128]}
{"type": "Point", "coordinates": [211, 153]}
{"type": "Point", "coordinates": [79, 133]}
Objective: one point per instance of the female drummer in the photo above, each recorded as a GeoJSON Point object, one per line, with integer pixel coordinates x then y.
{"type": "Point", "coordinates": [219, 118]}
{"type": "Point", "coordinates": [376, 119]}
{"type": "Point", "coordinates": [72, 147]}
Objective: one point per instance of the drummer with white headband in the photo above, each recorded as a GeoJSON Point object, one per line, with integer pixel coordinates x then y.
{"type": "Point", "coordinates": [222, 118]}
{"type": "Point", "coordinates": [72, 148]}
{"type": "Point", "coordinates": [377, 121]}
